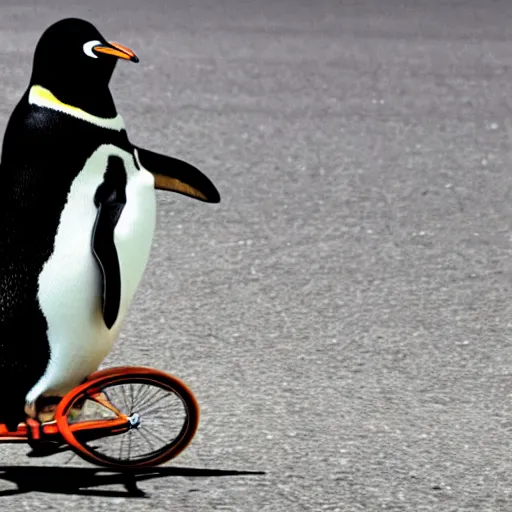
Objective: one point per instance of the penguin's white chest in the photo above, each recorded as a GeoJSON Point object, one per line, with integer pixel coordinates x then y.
{"type": "Point", "coordinates": [70, 285]}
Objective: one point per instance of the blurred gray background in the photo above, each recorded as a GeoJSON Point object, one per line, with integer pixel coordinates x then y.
{"type": "Point", "coordinates": [343, 315]}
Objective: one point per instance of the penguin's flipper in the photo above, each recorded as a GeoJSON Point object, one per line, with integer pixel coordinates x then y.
{"type": "Point", "coordinates": [110, 199]}
{"type": "Point", "coordinates": [177, 176]}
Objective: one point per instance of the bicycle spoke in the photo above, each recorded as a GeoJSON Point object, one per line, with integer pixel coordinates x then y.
{"type": "Point", "coordinates": [139, 391]}
{"type": "Point", "coordinates": [151, 404]}
{"type": "Point", "coordinates": [178, 404]}
{"type": "Point", "coordinates": [163, 441]}
{"type": "Point", "coordinates": [130, 432]}
{"type": "Point", "coordinates": [144, 436]}
{"type": "Point", "coordinates": [123, 393]}
{"type": "Point", "coordinates": [131, 398]}
{"type": "Point", "coordinates": [143, 395]}
{"type": "Point", "coordinates": [148, 397]}
{"type": "Point", "coordinates": [121, 447]}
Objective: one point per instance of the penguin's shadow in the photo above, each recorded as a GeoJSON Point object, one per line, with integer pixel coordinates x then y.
{"type": "Point", "coordinates": [85, 481]}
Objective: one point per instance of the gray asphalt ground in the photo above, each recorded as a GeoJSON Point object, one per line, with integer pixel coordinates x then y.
{"type": "Point", "coordinates": [344, 316]}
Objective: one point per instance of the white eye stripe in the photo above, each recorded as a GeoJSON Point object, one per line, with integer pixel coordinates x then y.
{"type": "Point", "coordinates": [88, 48]}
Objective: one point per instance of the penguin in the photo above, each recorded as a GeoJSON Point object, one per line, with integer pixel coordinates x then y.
{"type": "Point", "coordinates": [77, 218]}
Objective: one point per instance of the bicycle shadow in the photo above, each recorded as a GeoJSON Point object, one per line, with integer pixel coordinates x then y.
{"type": "Point", "coordinates": [84, 481]}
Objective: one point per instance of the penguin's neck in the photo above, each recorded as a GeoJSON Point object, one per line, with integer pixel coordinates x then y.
{"type": "Point", "coordinates": [43, 97]}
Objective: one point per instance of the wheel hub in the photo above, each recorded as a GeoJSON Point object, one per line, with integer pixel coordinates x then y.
{"type": "Point", "coordinates": [134, 420]}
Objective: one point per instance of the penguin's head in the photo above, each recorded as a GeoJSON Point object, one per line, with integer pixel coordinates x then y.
{"type": "Point", "coordinates": [75, 62]}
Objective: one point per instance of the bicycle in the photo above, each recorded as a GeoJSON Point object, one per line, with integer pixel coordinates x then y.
{"type": "Point", "coordinates": [124, 417]}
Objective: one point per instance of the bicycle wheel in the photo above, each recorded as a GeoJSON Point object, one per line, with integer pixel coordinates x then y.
{"type": "Point", "coordinates": [129, 417]}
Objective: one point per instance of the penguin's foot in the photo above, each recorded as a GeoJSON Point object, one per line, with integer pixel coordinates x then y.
{"type": "Point", "coordinates": [47, 413]}
{"type": "Point", "coordinates": [43, 409]}
{"type": "Point", "coordinates": [30, 410]}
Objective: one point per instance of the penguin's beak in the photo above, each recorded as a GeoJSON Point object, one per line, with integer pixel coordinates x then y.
{"type": "Point", "coordinates": [117, 50]}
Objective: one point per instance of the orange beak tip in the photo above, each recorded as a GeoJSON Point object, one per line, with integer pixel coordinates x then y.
{"type": "Point", "coordinates": [118, 50]}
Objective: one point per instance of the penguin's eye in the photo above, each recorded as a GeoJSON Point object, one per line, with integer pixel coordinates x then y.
{"type": "Point", "coordinates": [88, 48]}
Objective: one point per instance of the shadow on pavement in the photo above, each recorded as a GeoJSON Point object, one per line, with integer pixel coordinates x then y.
{"type": "Point", "coordinates": [84, 481]}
